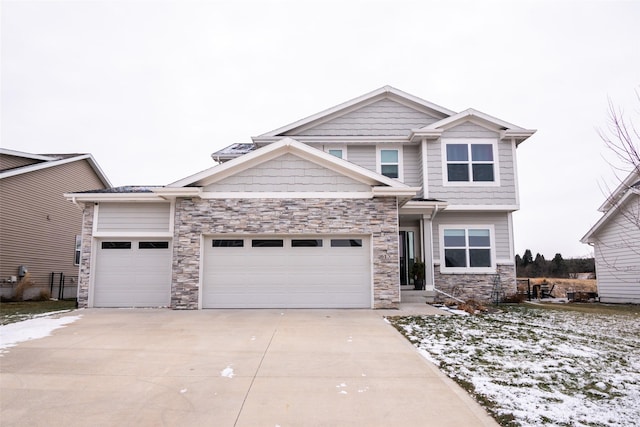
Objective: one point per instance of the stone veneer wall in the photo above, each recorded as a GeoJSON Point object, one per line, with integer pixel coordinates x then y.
{"type": "Point", "coordinates": [377, 217]}
{"type": "Point", "coordinates": [85, 255]}
{"type": "Point", "coordinates": [476, 286]}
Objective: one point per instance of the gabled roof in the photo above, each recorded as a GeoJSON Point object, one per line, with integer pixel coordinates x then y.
{"type": "Point", "coordinates": [283, 146]}
{"type": "Point", "coordinates": [346, 107]}
{"type": "Point", "coordinates": [50, 161]}
{"type": "Point", "coordinates": [632, 180]}
{"type": "Point", "coordinates": [589, 237]}
{"type": "Point", "coordinates": [506, 129]}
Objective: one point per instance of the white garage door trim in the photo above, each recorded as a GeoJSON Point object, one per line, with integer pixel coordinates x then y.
{"type": "Point", "coordinates": [132, 272]}
{"type": "Point", "coordinates": [327, 271]}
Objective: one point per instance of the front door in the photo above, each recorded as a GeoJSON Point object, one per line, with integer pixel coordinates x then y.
{"type": "Point", "coordinates": [407, 256]}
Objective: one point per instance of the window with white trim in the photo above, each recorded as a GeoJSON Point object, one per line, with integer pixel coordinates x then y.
{"type": "Point", "coordinates": [76, 259]}
{"type": "Point", "coordinates": [468, 162]}
{"type": "Point", "coordinates": [467, 248]}
{"type": "Point", "coordinates": [340, 151]}
{"type": "Point", "coordinates": [389, 162]}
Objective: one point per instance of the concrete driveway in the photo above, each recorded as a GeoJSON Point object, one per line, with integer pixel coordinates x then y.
{"type": "Point", "coordinates": [153, 367]}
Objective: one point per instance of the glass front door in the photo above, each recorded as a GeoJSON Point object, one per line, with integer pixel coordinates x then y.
{"type": "Point", "coordinates": [407, 256]}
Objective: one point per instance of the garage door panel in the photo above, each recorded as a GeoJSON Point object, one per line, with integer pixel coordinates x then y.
{"type": "Point", "coordinates": [132, 277]}
{"type": "Point", "coordinates": [316, 274]}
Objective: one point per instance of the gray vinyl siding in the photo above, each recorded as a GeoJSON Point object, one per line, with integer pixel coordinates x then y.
{"type": "Point", "coordinates": [131, 217]}
{"type": "Point", "coordinates": [500, 221]}
{"type": "Point", "coordinates": [617, 254]}
{"type": "Point", "coordinates": [288, 173]}
{"type": "Point", "coordinates": [469, 130]}
{"type": "Point", "coordinates": [38, 224]}
{"type": "Point", "coordinates": [412, 165]}
{"type": "Point", "coordinates": [384, 117]}
{"type": "Point", "coordinates": [12, 162]}
{"type": "Point", "coordinates": [505, 194]}
{"type": "Point", "coordinates": [362, 155]}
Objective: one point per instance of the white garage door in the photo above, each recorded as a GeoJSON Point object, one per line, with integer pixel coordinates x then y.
{"type": "Point", "coordinates": [132, 273]}
{"type": "Point", "coordinates": [280, 272]}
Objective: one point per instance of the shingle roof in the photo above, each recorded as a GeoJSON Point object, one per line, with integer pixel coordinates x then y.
{"type": "Point", "coordinates": [125, 189]}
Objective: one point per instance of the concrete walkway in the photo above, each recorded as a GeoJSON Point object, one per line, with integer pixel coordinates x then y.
{"type": "Point", "coordinates": [155, 367]}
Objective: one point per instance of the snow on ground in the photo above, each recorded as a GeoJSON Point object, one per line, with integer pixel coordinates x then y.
{"type": "Point", "coordinates": [39, 327]}
{"type": "Point", "coordinates": [531, 366]}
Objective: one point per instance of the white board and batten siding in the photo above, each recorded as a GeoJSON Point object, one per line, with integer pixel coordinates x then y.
{"type": "Point", "coordinates": [617, 256]}
{"type": "Point", "coordinates": [132, 255]}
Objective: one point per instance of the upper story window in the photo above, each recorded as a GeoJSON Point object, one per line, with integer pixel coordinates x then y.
{"type": "Point", "coordinates": [470, 162]}
{"type": "Point", "coordinates": [339, 151]}
{"type": "Point", "coordinates": [389, 161]}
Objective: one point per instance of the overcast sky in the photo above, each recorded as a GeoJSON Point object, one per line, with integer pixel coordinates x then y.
{"type": "Point", "coordinates": [152, 88]}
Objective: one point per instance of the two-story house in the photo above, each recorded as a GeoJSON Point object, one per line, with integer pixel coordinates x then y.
{"type": "Point", "coordinates": [39, 228]}
{"type": "Point", "coordinates": [329, 211]}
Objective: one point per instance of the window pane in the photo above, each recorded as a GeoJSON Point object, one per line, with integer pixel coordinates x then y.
{"type": "Point", "coordinates": [390, 171]}
{"type": "Point", "coordinates": [457, 152]}
{"type": "Point", "coordinates": [482, 172]}
{"type": "Point", "coordinates": [116, 245]}
{"type": "Point", "coordinates": [479, 258]}
{"type": "Point", "coordinates": [228, 243]}
{"type": "Point", "coordinates": [267, 243]}
{"type": "Point", "coordinates": [309, 243]}
{"type": "Point", "coordinates": [479, 238]}
{"type": "Point", "coordinates": [458, 172]}
{"type": "Point", "coordinates": [455, 257]}
{"type": "Point", "coordinates": [388, 156]}
{"type": "Point", "coordinates": [337, 153]}
{"type": "Point", "coordinates": [454, 238]}
{"type": "Point", "coordinates": [482, 152]}
{"type": "Point", "coordinates": [339, 243]}
{"type": "Point", "coordinates": [153, 245]}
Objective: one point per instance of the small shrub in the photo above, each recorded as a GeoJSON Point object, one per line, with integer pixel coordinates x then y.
{"type": "Point", "coordinates": [44, 295]}
{"type": "Point", "coordinates": [23, 285]}
{"type": "Point", "coordinates": [514, 298]}
{"type": "Point", "coordinates": [472, 306]}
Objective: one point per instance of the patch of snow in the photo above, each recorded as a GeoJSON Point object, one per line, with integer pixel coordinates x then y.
{"type": "Point", "coordinates": [227, 372]}
{"type": "Point", "coordinates": [39, 327]}
{"type": "Point", "coordinates": [184, 390]}
{"type": "Point", "coordinates": [543, 367]}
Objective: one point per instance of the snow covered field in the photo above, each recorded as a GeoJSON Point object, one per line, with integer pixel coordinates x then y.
{"type": "Point", "coordinates": [531, 366]}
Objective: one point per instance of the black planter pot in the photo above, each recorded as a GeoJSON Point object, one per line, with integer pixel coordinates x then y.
{"type": "Point", "coordinates": [418, 285]}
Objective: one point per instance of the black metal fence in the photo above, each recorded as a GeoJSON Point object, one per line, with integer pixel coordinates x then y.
{"type": "Point", "coordinates": [62, 286]}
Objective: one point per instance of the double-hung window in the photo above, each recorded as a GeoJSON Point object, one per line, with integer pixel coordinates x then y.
{"type": "Point", "coordinates": [467, 247]}
{"type": "Point", "coordinates": [390, 162]}
{"type": "Point", "coordinates": [470, 162]}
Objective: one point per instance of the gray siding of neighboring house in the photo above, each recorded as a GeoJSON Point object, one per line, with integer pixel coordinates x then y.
{"type": "Point", "coordinates": [134, 217]}
{"type": "Point", "coordinates": [505, 194]}
{"type": "Point", "coordinates": [382, 118]}
{"type": "Point", "coordinates": [288, 173]}
{"type": "Point", "coordinates": [39, 225]}
{"type": "Point", "coordinates": [500, 220]}
{"type": "Point", "coordinates": [617, 255]}
{"type": "Point", "coordinates": [12, 162]}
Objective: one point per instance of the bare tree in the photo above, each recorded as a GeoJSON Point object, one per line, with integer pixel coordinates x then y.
{"type": "Point", "coordinates": [622, 139]}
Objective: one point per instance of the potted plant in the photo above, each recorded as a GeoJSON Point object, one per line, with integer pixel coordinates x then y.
{"type": "Point", "coordinates": [418, 273]}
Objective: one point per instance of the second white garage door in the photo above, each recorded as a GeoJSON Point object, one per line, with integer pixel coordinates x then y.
{"type": "Point", "coordinates": [287, 272]}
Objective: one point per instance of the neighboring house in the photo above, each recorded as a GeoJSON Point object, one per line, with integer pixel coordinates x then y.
{"type": "Point", "coordinates": [329, 211]}
{"type": "Point", "coordinates": [39, 229]}
{"type": "Point", "coordinates": [616, 242]}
